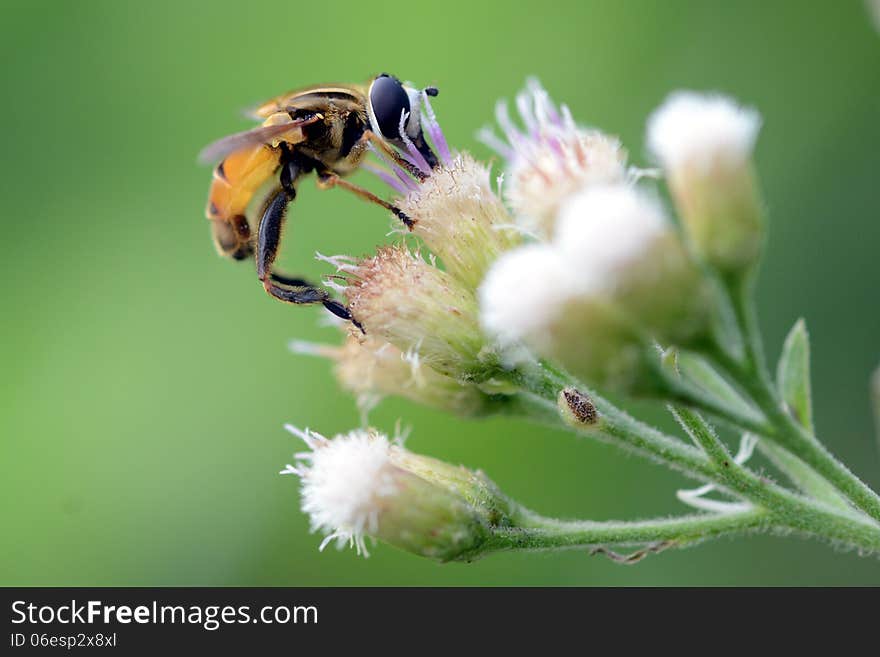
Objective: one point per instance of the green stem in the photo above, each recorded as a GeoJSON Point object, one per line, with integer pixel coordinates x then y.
{"type": "Point", "coordinates": [729, 405]}
{"type": "Point", "coordinates": [788, 509]}
{"type": "Point", "coordinates": [684, 393]}
{"type": "Point", "coordinates": [521, 404]}
{"type": "Point", "coordinates": [702, 434]}
{"type": "Point", "coordinates": [774, 507]}
{"type": "Point", "coordinates": [540, 533]}
{"type": "Point", "coordinates": [751, 374]}
{"type": "Point", "coordinates": [803, 476]}
{"type": "Point", "coordinates": [783, 510]}
{"type": "Point", "coordinates": [532, 532]}
{"type": "Point", "coordinates": [614, 425]}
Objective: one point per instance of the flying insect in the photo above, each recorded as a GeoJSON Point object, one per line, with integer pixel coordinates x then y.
{"type": "Point", "coordinates": [325, 129]}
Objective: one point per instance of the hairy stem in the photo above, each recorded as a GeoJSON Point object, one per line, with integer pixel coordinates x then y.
{"type": "Point", "coordinates": [614, 425]}
{"type": "Point", "coordinates": [783, 510]}
{"type": "Point", "coordinates": [533, 532]}
{"type": "Point", "coordinates": [688, 394]}
{"type": "Point", "coordinates": [750, 372]}
{"type": "Point", "coordinates": [522, 404]}
{"type": "Point", "coordinates": [539, 533]}
{"type": "Point", "coordinates": [803, 476]}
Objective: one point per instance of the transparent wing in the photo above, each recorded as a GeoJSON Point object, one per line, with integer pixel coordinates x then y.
{"type": "Point", "coordinates": [262, 135]}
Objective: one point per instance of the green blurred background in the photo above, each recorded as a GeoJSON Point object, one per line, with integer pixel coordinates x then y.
{"type": "Point", "coordinates": [145, 380]}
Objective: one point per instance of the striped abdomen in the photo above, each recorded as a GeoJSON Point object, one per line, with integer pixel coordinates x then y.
{"type": "Point", "coordinates": [235, 181]}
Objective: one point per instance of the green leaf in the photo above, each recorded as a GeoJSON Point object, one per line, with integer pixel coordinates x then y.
{"type": "Point", "coordinates": [802, 476]}
{"type": "Point", "coordinates": [793, 375]}
{"type": "Point", "coordinates": [696, 370]}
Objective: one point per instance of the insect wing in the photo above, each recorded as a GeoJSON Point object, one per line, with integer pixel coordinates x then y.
{"type": "Point", "coordinates": [292, 133]}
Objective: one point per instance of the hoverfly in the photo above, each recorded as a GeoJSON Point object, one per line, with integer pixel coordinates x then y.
{"type": "Point", "coordinates": [325, 129]}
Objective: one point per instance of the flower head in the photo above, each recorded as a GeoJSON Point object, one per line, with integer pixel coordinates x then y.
{"type": "Point", "coordinates": [460, 218]}
{"type": "Point", "coordinates": [614, 278]}
{"type": "Point", "coordinates": [550, 157]}
{"type": "Point", "coordinates": [371, 368]}
{"type": "Point", "coordinates": [525, 293]}
{"type": "Point", "coordinates": [398, 297]}
{"type": "Point", "coordinates": [704, 144]}
{"type": "Point", "coordinates": [621, 247]}
{"type": "Point", "coordinates": [702, 131]}
{"type": "Point", "coordinates": [451, 205]}
{"type": "Point", "coordinates": [363, 484]}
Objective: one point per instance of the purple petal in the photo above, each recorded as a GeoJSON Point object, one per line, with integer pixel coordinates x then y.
{"type": "Point", "coordinates": [398, 171]}
{"type": "Point", "coordinates": [432, 126]}
{"type": "Point", "coordinates": [490, 139]}
{"type": "Point", "coordinates": [386, 176]}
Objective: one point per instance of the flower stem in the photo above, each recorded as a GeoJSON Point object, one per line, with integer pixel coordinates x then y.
{"type": "Point", "coordinates": [539, 533]}
{"type": "Point", "coordinates": [750, 372]}
{"type": "Point", "coordinates": [680, 392]}
{"type": "Point", "coordinates": [614, 425]}
{"type": "Point", "coordinates": [783, 510]}
{"type": "Point", "coordinates": [522, 404]}
{"type": "Point", "coordinates": [803, 476]}
{"type": "Point", "coordinates": [533, 532]}
{"type": "Point", "coordinates": [703, 435]}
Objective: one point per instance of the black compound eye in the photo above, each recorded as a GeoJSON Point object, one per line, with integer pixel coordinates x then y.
{"type": "Point", "coordinates": [388, 100]}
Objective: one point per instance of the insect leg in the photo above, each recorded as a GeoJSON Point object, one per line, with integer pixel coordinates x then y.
{"type": "Point", "coordinates": [308, 294]}
{"type": "Point", "coordinates": [289, 280]}
{"type": "Point", "coordinates": [289, 290]}
{"type": "Point", "coordinates": [269, 235]}
{"type": "Point", "coordinates": [328, 180]}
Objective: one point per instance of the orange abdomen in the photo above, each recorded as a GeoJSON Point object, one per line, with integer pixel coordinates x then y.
{"type": "Point", "coordinates": [236, 179]}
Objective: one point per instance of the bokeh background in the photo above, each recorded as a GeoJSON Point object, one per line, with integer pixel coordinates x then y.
{"type": "Point", "coordinates": [144, 381]}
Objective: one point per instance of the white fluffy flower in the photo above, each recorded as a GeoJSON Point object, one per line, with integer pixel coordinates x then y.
{"type": "Point", "coordinates": [460, 218]}
{"type": "Point", "coordinates": [397, 296]}
{"type": "Point", "coordinates": [345, 484]}
{"type": "Point", "coordinates": [614, 277]}
{"type": "Point", "coordinates": [525, 291]}
{"type": "Point", "coordinates": [550, 157]}
{"type": "Point", "coordinates": [702, 131]}
{"type": "Point", "coordinates": [704, 144]}
{"type": "Point", "coordinates": [605, 233]}
{"type": "Point", "coordinates": [363, 484]}
{"type": "Point", "coordinates": [451, 204]}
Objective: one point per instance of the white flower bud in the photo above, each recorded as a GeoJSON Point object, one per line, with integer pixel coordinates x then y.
{"type": "Point", "coordinates": [615, 277]}
{"type": "Point", "coordinates": [524, 296]}
{"type": "Point", "coordinates": [704, 144]}
{"type": "Point", "coordinates": [362, 484]}
{"type": "Point", "coordinates": [461, 220]}
{"type": "Point", "coordinates": [398, 297]}
{"type": "Point", "coordinates": [530, 297]}
{"type": "Point", "coordinates": [621, 247]}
